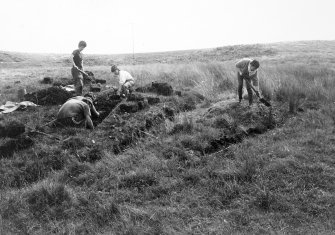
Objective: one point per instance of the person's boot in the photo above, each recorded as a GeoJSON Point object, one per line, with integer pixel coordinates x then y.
{"type": "Point", "coordinates": [123, 92]}
{"type": "Point", "coordinates": [250, 100]}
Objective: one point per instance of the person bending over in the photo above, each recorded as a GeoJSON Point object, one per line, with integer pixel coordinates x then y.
{"type": "Point", "coordinates": [77, 112]}
{"type": "Point", "coordinates": [247, 70]}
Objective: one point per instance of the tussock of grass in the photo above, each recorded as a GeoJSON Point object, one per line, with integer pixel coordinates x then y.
{"type": "Point", "coordinates": [138, 180]}
{"type": "Point", "coordinates": [296, 84]}
{"type": "Point", "coordinates": [23, 170]}
{"type": "Point", "coordinates": [170, 152]}
{"type": "Point", "coordinates": [293, 171]}
{"type": "Point", "coordinates": [73, 143]}
{"type": "Point", "coordinates": [101, 211]}
{"type": "Point", "coordinates": [77, 173]}
{"type": "Point", "coordinates": [11, 129]}
{"type": "Point", "coordinates": [186, 126]}
{"type": "Point", "coordinates": [94, 154]}
{"type": "Point", "coordinates": [49, 201]}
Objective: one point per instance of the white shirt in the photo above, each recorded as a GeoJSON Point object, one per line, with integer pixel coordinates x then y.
{"type": "Point", "coordinates": [124, 76]}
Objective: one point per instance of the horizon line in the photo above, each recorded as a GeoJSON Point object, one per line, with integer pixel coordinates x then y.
{"type": "Point", "coordinates": [163, 51]}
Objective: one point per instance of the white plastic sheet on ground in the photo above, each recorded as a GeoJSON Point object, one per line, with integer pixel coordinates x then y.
{"type": "Point", "coordinates": [10, 106]}
{"type": "Point", "coordinates": [68, 88]}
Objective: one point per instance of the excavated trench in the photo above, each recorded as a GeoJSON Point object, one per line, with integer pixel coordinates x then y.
{"type": "Point", "coordinates": [238, 123]}
{"type": "Point", "coordinates": [123, 121]}
{"type": "Point", "coordinates": [106, 102]}
{"type": "Point", "coordinates": [143, 111]}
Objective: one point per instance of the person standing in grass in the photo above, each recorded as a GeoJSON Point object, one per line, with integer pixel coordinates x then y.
{"type": "Point", "coordinates": [77, 112]}
{"type": "Point", "coordinates": [77, 70]}
{"type": "Point", "coordinates": [247, 70]}
{"type": "Point", "coordinates": [126, 81]}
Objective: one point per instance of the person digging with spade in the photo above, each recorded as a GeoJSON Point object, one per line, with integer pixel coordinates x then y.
{"type": "Point", "coordinates": [247, 69]}
{"type": "Point", "coordinates": [77, 70]}
{"type": "Point", "coordinates": [126, 81]}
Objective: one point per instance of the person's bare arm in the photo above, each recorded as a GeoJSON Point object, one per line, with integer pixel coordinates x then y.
{"type": "Point", "coordinates": [91, 107]}
{"type": "Point", "coordinates": [82, 65]}
{"type": "Point", "coordinates": [89, 121]}
{"type": "Point", "coordinates": [74, 65]}
{"type": "Point", "coordinates": [87, 115]}
{"type": "Point", "coordinates": [95, 112]}
{"type": "Point", "coordinates": [255, 81]}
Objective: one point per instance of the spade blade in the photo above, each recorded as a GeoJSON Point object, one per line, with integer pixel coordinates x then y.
{"type": "Point", "coordinates": [265, 102]}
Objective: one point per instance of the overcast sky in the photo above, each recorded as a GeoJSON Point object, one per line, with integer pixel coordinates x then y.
{"type": "Point", "coordinates": [119, 26]}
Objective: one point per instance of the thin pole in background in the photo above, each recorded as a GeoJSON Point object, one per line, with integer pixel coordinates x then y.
{"type": "Point", "coordinates": [132, 35]}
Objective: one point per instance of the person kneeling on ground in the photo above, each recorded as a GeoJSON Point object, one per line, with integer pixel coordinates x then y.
{"type": "Point", "coordinates": [247, 69]}
{"type": "Point", "coordinates": [76, 112]}
{"type": "Point", "coordinates": [126, 81]}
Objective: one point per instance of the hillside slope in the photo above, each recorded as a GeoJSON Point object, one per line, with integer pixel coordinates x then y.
{"type": "Point", "coordinates": [291, 50]}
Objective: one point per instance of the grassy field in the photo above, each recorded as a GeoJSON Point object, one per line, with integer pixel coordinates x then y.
{"type": "Point", "coordinates": [171, 180]}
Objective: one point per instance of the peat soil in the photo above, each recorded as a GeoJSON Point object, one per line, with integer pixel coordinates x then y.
{"type": "Point", "coordinates": [124, 120]}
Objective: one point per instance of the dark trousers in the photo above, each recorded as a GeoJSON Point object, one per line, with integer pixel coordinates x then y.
{"type": "Point", "coordinates": [248, 86]}
{"type": "Point", "coordinates": [78, 81]}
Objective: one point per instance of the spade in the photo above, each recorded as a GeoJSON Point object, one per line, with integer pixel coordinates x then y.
{"type": "Point", "coordinates": [261, 99]}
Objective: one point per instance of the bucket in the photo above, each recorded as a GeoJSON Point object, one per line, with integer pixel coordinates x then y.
{"type": "Point", "coordinates": [20, 93]}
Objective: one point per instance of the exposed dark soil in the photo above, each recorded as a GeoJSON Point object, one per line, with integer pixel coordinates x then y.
{"type": "Point", "coordinates": [11, 129]}
{"type": "Point", "coordinates": [104, 104]}
{"type": "Point", "coordinates": [50, 96]}
{"type": "Point", "coordinates": [239, 121]}
{"type": "Point", "coordinates": [119, 130]}
{"type": "Point", "coordinates": [47, 80]}
{"type": "Point", "coordinates": [135, 116]}
{"type": "Point", "coordinates": [161, 88]}
{"type": "Point", "coordinates": [123, 121]}
{"type": "Point", "coordinates": [62, 81]}
{"type": "Point", "coordinates": [12, 145]}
